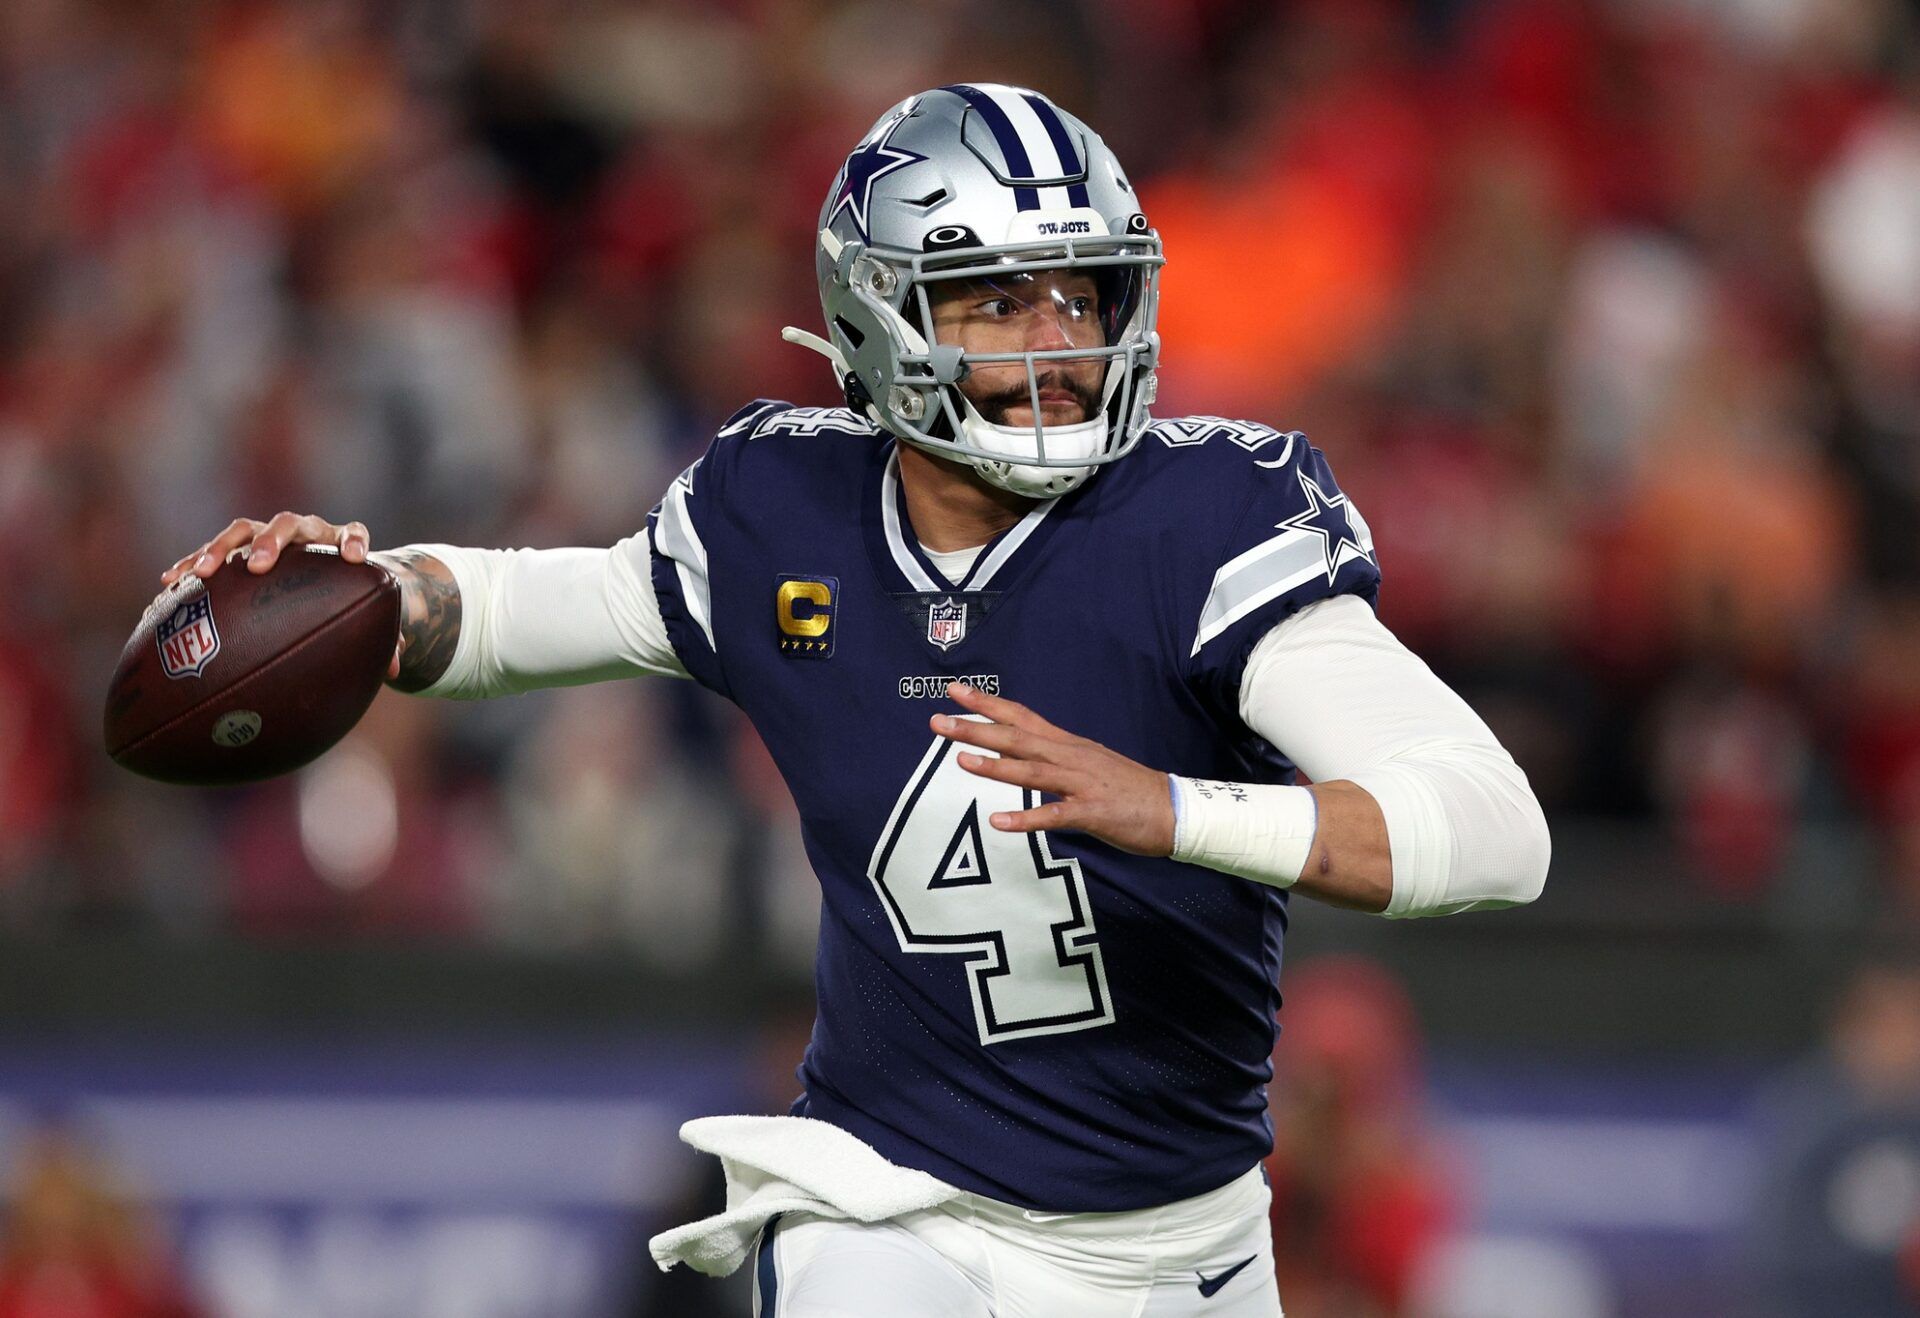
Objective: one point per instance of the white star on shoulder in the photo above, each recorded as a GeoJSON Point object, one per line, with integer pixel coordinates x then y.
{"type": "Point", "coordinates": [1334, 521]}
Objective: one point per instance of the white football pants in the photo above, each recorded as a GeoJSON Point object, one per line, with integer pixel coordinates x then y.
{"type": "Point", "coordinates": [973, 1257]}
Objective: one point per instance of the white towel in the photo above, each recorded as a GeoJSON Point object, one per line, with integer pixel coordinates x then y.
{"type": "Point", "coordinates": [782, 1165]}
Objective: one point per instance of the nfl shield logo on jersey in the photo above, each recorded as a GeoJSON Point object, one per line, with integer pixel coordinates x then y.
{"type": "Point", "coordinates": [946, 623]}
{"type": "Point", "coordinates": [187, 639]}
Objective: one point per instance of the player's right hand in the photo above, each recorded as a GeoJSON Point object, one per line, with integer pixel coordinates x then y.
{"type": "Point", "coordinates": [263, 542]}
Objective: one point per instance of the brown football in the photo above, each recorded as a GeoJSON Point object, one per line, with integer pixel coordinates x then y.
{"type": "Point", "coordinates": [244, 676]}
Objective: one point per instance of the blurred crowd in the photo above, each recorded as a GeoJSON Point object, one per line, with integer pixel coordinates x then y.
{"type": "Point", "coordinates": [77, 1242]}
{"type": "Point", "coordinates": [1607, 312]}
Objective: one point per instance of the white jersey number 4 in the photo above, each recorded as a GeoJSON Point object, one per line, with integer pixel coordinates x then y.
{"type": "Point", "coordinates": [954, 884]}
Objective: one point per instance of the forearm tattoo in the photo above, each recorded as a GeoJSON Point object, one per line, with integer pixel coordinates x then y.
{"type": "Point", "coordinates": [429, 616]}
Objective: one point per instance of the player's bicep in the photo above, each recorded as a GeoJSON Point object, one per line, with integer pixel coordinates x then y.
{"type": "Point", "coordinates": [568, 616]}
{"type": "Point", "coordinates": [536, 618]}
{"type": "Point", "coordinates": [1338, 693]}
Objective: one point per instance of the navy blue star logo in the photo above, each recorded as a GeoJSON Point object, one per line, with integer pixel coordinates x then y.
{"type": "Point", "coordinates": [870, 162]}
{"type": "Point", "coordinates": [1333, 521]}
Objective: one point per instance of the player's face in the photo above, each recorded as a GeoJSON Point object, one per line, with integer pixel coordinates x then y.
{"type": "Point", "coordinates": [1046, 310]}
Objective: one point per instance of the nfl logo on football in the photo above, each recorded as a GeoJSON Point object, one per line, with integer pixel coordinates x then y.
{"type": "Point", "coordinates": [947, 623]}
{"type": "Point", "coordinates": [187, 639]}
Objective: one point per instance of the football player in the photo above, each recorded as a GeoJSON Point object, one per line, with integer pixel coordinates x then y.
{"type": "Point", "coordinates": [1039, 670]}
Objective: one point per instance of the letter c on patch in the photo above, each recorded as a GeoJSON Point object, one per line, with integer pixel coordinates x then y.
{"type": "Point", "coordinates": [805, 608]}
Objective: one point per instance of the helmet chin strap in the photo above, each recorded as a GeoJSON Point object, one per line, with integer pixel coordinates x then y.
{"type": "Point", "coordinates": [1081, 439]}
{"type": "Point", "coordinates": [1088, 437]}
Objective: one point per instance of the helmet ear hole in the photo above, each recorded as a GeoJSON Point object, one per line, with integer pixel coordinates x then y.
{"type": "Point", "coordinates": [855, 337]}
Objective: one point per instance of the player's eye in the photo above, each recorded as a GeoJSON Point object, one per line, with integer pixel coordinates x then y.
{"type": "Point", "coordinates": [998, 308]}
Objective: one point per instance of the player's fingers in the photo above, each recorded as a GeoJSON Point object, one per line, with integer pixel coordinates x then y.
{"type": "Point", "coordinates": [207, 559]}
{"type": "Point", "coordinates": [999, 708]}
{"type": "Point", "coordinates": [354, 542]}
{"type": "Point", "coordinates": [1052, 815]}
{"type": "Point", "coordinates": [283, 530]}
{"type": "Point", "coordinates": [270, 539]}
{"type": "Point", "coordinates": [1017, 742]}
{"type": "Point", "coordinates": [213, 553]}
{"type": "Point", "coordinates": [172, 574]}
{"type": "Point", "coordinates": [1024, 773]}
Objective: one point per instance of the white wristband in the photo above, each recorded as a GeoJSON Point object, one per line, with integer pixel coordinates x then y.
{"type": "Point", "coordinates": [1255, 830]}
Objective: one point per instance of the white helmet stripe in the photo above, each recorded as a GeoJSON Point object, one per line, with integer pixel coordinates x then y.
{"type": "Point", "coordinates": [1041, 152]}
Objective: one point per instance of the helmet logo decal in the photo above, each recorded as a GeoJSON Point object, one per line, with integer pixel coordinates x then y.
{"type": "Point", "coordinates": [870, 162]}
{"type": "Point", "coordinates": [951, 235]}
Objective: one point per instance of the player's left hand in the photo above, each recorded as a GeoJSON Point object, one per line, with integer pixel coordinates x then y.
{"type": "Point", "coordinates": [1101, 791]}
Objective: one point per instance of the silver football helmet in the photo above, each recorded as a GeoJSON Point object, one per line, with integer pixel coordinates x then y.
{"type": "Point", "coordinates": [996, 186]}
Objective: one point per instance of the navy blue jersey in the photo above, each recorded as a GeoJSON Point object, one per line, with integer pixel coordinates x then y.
{"type": "Point", "coordinates": [1040, 1018]}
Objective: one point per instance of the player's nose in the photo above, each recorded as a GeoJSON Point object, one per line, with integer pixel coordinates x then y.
{"type": "Point", "coordinates": [1047, 330]}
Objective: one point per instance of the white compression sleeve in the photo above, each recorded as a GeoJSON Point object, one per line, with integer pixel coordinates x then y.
{"type": "Point", "coordinates": [1340, 696]}
{"type": "Point", "coordinates": [533, 618]}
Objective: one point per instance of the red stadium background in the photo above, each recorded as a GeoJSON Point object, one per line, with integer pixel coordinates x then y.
{"type": "Point", "coordinates": [1607, 312]}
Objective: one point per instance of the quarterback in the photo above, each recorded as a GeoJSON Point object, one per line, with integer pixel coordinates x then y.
{"type": "Point", "coordinates": [1039, 670]}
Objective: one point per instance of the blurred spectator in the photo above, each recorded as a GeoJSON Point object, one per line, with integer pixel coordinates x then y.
{"type": "Point", "coordinates": [1863, 227]}
{"type": "Point", "coordinates": [36, 751]}
{"type": "Point", "coordinates": [1733, 769]}
{"type": "Point", "coordinates": [1837, 1225]}
{"type": "Point", "coordinates": [357, 842]}
{"type": "Point", "coordinates": [614, 842]}
{"type": "Point", "coordinates": [76, 1246]}
{"type": "Point", "coordinates": [1360, 1196]}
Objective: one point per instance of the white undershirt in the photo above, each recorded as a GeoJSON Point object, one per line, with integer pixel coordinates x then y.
{"type": "Point", "coordinates": [1330, 687]}
{"type": "Point", "coordinates": [954, 564]}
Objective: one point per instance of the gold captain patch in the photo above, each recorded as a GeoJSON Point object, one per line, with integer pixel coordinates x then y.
{"type": "Point", "coordinates": [804, 608]}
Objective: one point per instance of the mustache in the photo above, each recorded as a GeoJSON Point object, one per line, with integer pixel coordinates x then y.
{"type": "Point", "coordinates": [994, 406]}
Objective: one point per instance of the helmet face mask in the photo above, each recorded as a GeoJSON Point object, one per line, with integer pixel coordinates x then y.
{"type": "Point", "coordinates": [997, 322]}
{"type": "Point", "coordinates": [943, 197]}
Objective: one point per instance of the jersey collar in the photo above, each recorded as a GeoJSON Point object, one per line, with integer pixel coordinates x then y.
{"type": "Point", "coordinates": [999, 561]}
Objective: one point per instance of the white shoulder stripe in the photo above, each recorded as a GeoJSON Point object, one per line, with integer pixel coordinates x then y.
{"type": "Point", "coordinates": [1267, 571]}
{"type": "Point", "coordinates": [680, 542]}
